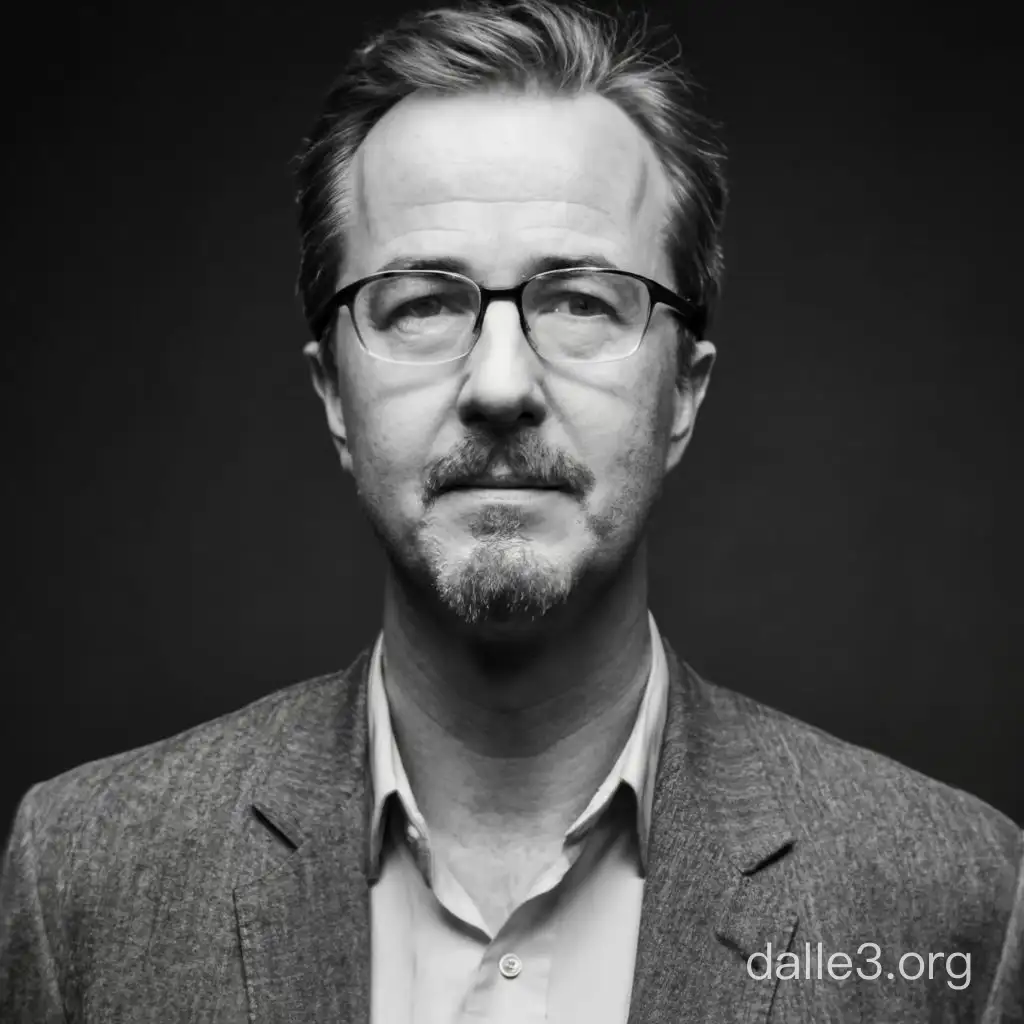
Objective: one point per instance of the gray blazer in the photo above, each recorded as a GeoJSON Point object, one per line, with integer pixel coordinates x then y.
{"type": "Point", "coordinates": [220, 876]}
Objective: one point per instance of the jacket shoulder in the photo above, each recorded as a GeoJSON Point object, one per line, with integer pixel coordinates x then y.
{"type": "Point", "coordinates": [201, 776]}
{"type": "Point", "coordinates": [884, 860]}
{"type": "Point", "coordinates": [828, 787]}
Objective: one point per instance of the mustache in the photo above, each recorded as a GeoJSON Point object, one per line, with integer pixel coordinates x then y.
{"type": "Point", "coordinates": [524, 456]}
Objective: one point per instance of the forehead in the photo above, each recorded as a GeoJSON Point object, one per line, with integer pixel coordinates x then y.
{"type": "Point", "coordinates": [497, 178]}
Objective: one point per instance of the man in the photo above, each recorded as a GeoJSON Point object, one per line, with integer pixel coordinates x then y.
{"type": "Point", "coordinates": [519, 804]}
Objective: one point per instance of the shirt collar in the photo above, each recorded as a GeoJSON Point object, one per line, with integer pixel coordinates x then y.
{"type": "Point", "coordinates": [635, 767]}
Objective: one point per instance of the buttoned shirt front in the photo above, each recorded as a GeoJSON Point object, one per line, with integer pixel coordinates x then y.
{"type": "Point", "coordinates": [567, 952]}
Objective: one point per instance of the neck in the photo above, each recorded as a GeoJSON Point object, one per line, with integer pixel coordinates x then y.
{"type": "Point", "coordinates": [514, 737]}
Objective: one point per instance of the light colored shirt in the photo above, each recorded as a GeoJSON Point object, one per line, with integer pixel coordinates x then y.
{"type": "Point", "coordinates": [565, 954]}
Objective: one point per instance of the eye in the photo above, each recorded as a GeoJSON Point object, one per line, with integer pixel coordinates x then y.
{"type": "Point", "coordinates": [579, 304]}
{"type": "Point", "coordinates": [420, 312]}
{"type": "Point", "coordinates": [428, 306]}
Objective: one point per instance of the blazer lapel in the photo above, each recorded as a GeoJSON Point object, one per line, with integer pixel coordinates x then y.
{"type": "Point", "coordinates": [715, 890]}
{"type": "Point", "coordinates": [304, 924]}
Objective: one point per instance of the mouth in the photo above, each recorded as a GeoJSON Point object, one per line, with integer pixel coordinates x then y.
{"type": "Point", "coordinates": [505, 484]}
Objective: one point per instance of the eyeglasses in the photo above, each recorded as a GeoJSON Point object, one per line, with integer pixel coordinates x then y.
{"type": "Point", "coordinates": [582, 314]}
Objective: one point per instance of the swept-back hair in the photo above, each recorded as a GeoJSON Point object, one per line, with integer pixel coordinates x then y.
{"type": "Point", "coordinates": [529, 45]}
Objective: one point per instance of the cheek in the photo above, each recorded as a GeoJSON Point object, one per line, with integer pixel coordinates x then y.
{"type": "Point", "coordinates": [623, 441]}
{"type": "Point", "coordinates": [389, 449]}
{"type": "Point", "coordinates": [638, 459]}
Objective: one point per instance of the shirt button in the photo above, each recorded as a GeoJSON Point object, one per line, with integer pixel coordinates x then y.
{"type": "Point", "coordinates": [411, 834]}
{"type": "Point", "coordinates": [510, 965]}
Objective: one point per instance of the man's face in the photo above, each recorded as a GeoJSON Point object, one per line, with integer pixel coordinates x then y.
{"type": "Point", "coordinates": [499, 181]}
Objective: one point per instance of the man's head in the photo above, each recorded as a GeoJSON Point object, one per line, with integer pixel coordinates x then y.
{"type": "Point", "coordinates": [497, 141]}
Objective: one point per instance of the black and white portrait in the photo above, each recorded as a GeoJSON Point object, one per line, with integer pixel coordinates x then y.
{"type": "Point", "coordinates": [514, 515]}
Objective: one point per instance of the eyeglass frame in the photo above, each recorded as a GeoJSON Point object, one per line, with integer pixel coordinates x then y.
{"type": "Point", "coordinates": [692, 314]}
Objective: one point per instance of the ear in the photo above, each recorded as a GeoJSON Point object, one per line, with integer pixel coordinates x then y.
{"type": "Point", "coordinates": [324, 373]}
{"type": "Point", "coordinates": [691, 386]}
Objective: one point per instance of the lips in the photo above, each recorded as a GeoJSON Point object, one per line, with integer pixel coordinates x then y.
{"type": "Point", "coordinates": [506, 483]}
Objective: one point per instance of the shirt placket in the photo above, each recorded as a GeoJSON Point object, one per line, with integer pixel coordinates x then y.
{"type": "Point", "coordinates": [511, 984]}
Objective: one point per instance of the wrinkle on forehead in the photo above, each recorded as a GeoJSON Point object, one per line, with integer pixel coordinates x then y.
{"type": "Point", "coordinates": [581, 154]}
{"type": "Point", "coordinates": [467, 215]}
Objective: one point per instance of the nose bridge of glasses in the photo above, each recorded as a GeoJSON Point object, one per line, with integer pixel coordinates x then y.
{"type": "Point", "coordinates": [511, 299]}
{"type": "Point", "coordinates": [501, 311]}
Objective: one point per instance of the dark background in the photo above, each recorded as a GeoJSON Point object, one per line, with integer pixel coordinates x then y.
{"type": "Point", "coordinates": [842, 541]}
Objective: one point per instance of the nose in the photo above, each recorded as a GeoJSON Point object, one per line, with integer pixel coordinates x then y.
{"type": "Point", "coordinates": [502, 385]}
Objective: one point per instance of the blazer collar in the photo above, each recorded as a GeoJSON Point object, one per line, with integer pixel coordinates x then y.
{"type": "Point", "coordinates": [715, 890]}
{"type": "Point", "coordinates": [718, 886]}
{"type": "Point", "coordinates": [303, 908]}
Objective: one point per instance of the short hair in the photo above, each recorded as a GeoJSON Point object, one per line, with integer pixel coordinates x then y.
{"type": "Point", "coordinates": [544, 45]}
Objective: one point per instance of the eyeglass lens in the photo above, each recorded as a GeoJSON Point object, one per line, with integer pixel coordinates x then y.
{"type": "Point", "coordinates": [429, 317]}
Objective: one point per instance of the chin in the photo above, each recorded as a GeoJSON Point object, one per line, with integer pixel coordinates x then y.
{"type": "Point", "coordinates": [506, 587]}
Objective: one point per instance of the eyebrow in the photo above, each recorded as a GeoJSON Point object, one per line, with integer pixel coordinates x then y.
{"type": "Point", "coordinates": [536, 265]}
